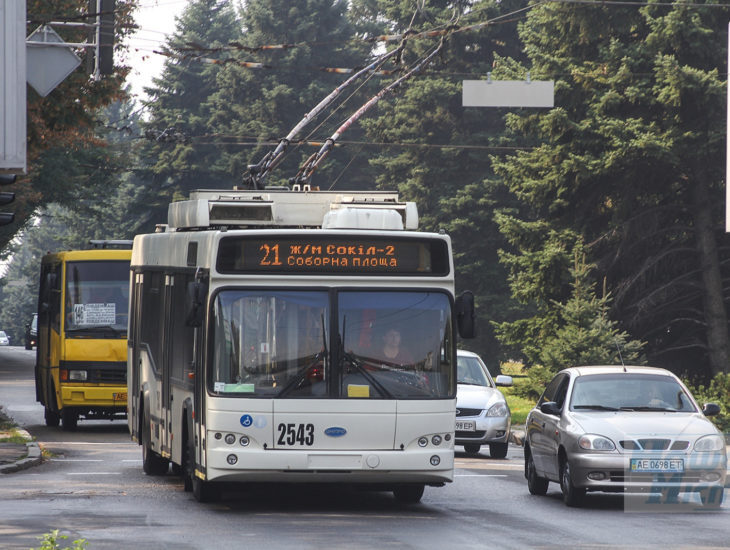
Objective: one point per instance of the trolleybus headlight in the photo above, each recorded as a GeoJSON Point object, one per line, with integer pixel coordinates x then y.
{"type": "Point", "coordinates": [218, 435]}
{"type": "Point", "coordinates": [78, 375]}
{"type": "Point", "coordinates": [230, 439]}
{"type": "Point", "coordinates": [436, 440]}
{"type": "Point", "coordinates": [447, 437]}
{"type": "Point", "coordinates": [435, 460]}
{"type": "Point", "coordinates": [232, 459]}
{"type": "Point", "coordinates": [244, 441]}
{"type": "Point", "coordinates": [422, 441]}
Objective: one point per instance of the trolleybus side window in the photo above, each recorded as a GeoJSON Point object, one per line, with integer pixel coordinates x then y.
{"type": "Point", "coordinates": [153, 319]}
{"type": "Point", "coordinates": [182, 334]}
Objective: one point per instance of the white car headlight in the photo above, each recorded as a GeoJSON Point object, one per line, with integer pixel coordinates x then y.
{"type": "Point", "coordinates": [498, 409]}
{"type": "Point", "coordinates": [709, 443]}
{"type": "Point", "coordinates": [593, 442]}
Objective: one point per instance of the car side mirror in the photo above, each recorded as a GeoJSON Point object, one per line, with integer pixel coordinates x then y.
{"type": "Point", "coordinates": [711, 409]}
{"type": "Point", "coordinates": [503, 380]}
{"type": "Point", "coordinates": [550, 407]}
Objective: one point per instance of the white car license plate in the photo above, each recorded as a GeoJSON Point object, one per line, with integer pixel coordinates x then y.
{"type": "Point", "coordinates": [657, 465]}
{"type": "Point", "coordinates": [465, 426]}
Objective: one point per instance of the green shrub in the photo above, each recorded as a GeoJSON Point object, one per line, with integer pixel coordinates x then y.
{"type": "Point", "coordinates": [718, 391]}
{"type": "Point", "coordinates": [532, 386]}
{"type": "Point", "coordinates": [50, 541]}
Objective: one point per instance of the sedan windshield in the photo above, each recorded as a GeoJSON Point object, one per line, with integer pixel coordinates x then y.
{"type": "Point", "coordinates": [470, 371]}
{"type": "Point", "coordinates": [629, 392]}
{"type": "Point", "coordinates": [387, 345]}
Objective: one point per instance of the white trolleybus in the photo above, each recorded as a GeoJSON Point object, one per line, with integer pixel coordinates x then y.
{"type": "Point", "coordinates": [295, 336]}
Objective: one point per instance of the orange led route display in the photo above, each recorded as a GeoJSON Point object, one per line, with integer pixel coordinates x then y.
{"type": "Point", "coordinates": [334, 255]}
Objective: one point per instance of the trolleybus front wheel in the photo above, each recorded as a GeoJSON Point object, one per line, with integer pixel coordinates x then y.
{"type": "Point", "coordinates": [204, 491]}
{"type": "Point", "coordinates": [408, 494]}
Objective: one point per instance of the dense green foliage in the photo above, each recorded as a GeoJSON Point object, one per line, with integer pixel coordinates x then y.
{"type": "Point", "coordinates": [630, 162]}
{"type": "Point", "coordinates": [625, 174]}
{"type": "Point", "coordinates": [716, 391]}
{"type": "Point", "coordinates": [67, 158]}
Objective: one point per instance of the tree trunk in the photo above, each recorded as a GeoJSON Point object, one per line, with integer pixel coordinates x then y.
{"type": "Point", "coordinates": [718, 343]}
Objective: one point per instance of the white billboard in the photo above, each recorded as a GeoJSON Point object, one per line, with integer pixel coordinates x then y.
{"type": "Point", "coordinates": [12, 87]}
{"type": "Point", "coordinates": [508, 93]}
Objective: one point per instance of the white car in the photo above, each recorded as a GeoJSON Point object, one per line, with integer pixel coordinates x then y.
{"type": "Point", "coordinates": [482, 414]}
{"type": "Point", "coordinates": [4, 340]}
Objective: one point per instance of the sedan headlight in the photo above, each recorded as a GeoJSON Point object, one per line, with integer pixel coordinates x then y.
{"type": "Point", "coordinates": [498, 409]}
{"type": "Point", "coordinates": [593, 442]}
{"type": "Point", "coordinates": [709, 443]}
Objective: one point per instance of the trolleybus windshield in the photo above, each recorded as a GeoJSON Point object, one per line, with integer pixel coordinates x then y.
{"type": "Point", "coordinates": [97, 299]}
{"type": "Point", "coordinates": [278, 343]}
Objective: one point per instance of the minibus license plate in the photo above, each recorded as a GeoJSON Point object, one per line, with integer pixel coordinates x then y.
{"type": "Point", "coordinates": [465, 426]}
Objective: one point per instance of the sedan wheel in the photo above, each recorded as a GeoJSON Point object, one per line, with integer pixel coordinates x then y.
{"type": "Point", "coordinates": [535, 484]}
{"type": "Point", "coordinates": [472, 448]}
{"type": "Point", "coordinates": [572, 495]}
{"type": "Point", "coordinates": [712, 498]}
{"type": "Point", "coordinates": [498, 450]}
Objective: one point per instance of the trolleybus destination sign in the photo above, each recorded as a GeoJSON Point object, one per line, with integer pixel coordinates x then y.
{"type": "Point", "coordinates": [333, 254]}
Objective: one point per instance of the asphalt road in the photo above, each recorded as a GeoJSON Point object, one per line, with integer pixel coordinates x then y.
{"type": "Point", "coordinates": [93, 487]}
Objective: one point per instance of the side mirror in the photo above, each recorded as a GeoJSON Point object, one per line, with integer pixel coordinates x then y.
{"type": "Point", "coordinates": [465, 316]}
{"type": "Point", "coordinates": [195, 303]}
{"type": "Point", "coordinates": [551, 408]}
{"type": "Point", "coordinates": [711, 409]}
{"type": "Point", "coordinates": [503, 380]}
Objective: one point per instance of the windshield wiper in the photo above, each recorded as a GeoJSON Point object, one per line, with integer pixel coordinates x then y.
{"type": "Point", "coordinates": [368, 376]}
{"type": "Point", "coordinates": [595, 407]}
{"type": "Point", "coordinates": [301, 373]}
{"type": "Point", "coordinates": [646, 408]}
{"type": "Point", "coordinates": [97, 328]}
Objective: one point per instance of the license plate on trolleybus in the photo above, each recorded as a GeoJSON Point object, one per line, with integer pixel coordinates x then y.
{"type": "Point", "coordinates": [465, 426]}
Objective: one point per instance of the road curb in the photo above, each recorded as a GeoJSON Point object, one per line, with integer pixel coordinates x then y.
{"type": "Point", "coordinates": [33, 456]}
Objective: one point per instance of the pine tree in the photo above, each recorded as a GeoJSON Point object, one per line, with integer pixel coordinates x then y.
{"type": "Point", "coordinates": [631, 162]}
{"type": "Point", "coordinates": [437, 152]}
{"type": "Point", "coordinates": [181, 155]}
{"type": "Point", "coordinates": [584, 333]}
{"type": "Point", "coordinates": [260, 106]}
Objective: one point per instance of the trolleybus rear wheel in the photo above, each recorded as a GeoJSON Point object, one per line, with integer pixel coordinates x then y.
{"type": "Point", "coordinates": [152, 463]}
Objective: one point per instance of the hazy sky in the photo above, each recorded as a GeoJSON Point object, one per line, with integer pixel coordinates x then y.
{"type": "Point", "coordinates": [156, 19]}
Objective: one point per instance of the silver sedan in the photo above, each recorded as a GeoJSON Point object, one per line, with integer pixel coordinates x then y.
{"type": "Point", "coordinates": [482, 414]}
{"type": "Point", "coordinates": [623, 429]}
